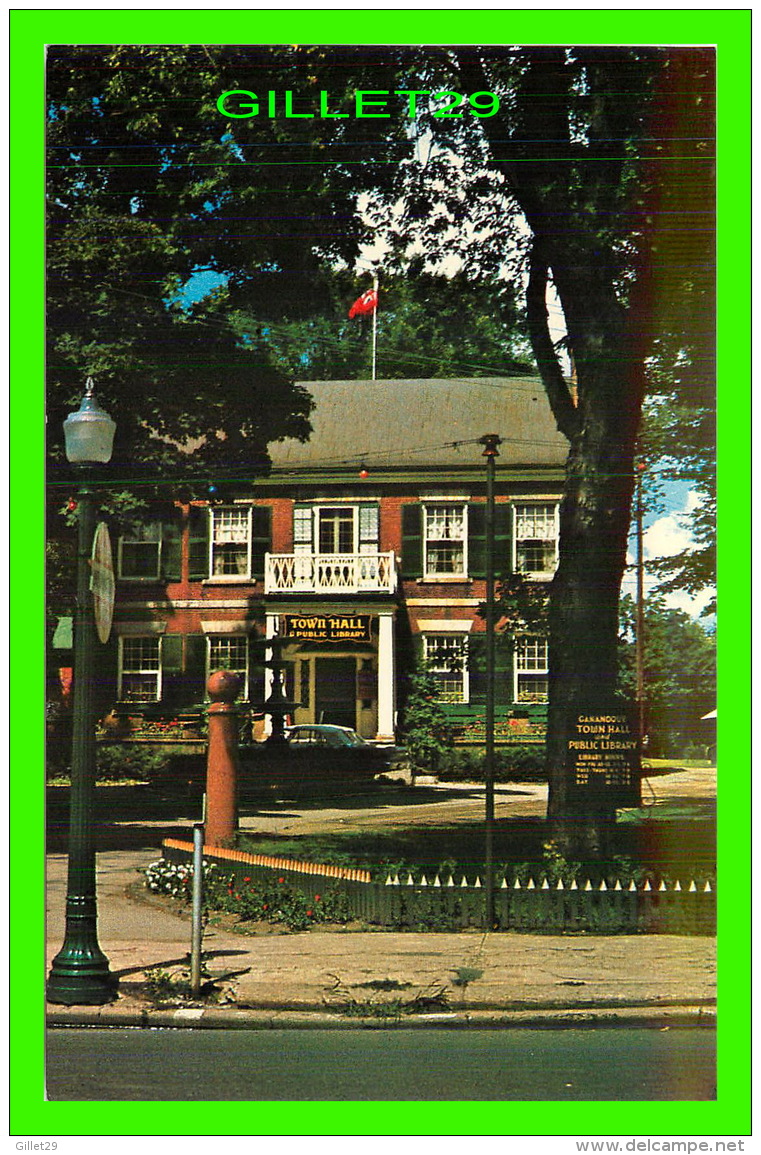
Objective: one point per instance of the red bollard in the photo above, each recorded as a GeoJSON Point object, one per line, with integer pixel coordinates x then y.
{"type": "Point", "coordinates": [222, 759]}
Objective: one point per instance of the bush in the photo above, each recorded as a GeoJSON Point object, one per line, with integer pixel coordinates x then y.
{"type": "Point", "coordinates": [127, 761]}
{"type": "Point", "coordinates": [515, 763]}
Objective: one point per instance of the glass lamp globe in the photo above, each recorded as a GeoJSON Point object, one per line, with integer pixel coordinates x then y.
{"type": "Point", "coordinates": [89, 432]}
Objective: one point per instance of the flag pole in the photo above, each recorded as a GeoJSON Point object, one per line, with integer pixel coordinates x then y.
{"type": "Point", "coordinates": [375, 325]}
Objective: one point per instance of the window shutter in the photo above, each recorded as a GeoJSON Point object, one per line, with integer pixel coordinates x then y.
{"type": "Point", "coordinates": [503, 554]}
{"type": "Point", "coordinates": [171, 551]}
{"type": "Point", "coordinates": [106, 680]}
{"type": "Point", "coordinates": [503, 670]}
{"type": "Point", "coordinates": [477, 541]}
{"type": "Point", "coordinates": [171, 669]}
{"type": "Point", "coordinates": [171, 653]}
{"type": "Point", "coordinates": [261, 538]}
{"type": "Point", "coordinates": [302, 528]}
{"type": "Point", "coordinates": [194, 681]}
{"type": "Point", "coordinates": [412, 541]}
{"type": "Point", "coordinates": [369, 530]}
{"type": "Point", "coordinates": [199, 543]}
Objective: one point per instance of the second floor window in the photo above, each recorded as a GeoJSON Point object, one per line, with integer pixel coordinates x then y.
{"type": "Point", "coordinates": [536, 538]}
{"type": "Point", "coordinates": [445, 541]}
{"type": "Point", "coordinates": [336, 529]}
{"type": "Point", "coordinates": [230, 541]}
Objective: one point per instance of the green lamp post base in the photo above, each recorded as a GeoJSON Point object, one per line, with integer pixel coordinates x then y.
{"type": "Point", "coordinates": [80, 974]}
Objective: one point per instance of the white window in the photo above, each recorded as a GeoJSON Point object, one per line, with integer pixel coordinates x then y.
{"type": "Point", "coordinates": [531, 669]}
{"type": "Point", "coordinates": [230, 652]}
{"type": "Point", "coordinates": [140, 669]}
{"type": "Point", "coordinates": [536, 538]}
{"type": "Point", "coordinates": [445, 540]}
{"type": "Point", "coordinates": [230, 542]}
{"type": "Point", "coordinates": [445, 657]}
{"type": "Point", "coordinates": [140, 553]}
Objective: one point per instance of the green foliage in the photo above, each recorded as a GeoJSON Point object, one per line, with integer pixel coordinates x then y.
{"type": "Point", "coordinates": [427, 732]}
{"type": "Point", "coordinates": [514, 763]}
{"type": "Point", "coordinates": [129, 760]}
{"type": "Point", "coordinates": [252, 901]}
{"type": "Point", "coordinates": [679, 675]}
{"type": "Point", "coordinates": [427, 326]}
{"type": "Point", "coordinates": [678, 441]}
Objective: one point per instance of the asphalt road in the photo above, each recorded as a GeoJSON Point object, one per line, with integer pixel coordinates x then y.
{"type": "Point", "coordinates": [394, 1064]}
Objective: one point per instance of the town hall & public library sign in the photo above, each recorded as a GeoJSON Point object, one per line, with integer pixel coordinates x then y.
{"type": "Point", "coordinates": [327, 627]}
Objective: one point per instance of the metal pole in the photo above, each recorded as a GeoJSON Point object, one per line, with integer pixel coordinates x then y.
{"type": "Point", "coordinates": [196, 932]}
{"type": "Point", "coordinates": [375, 327]}
{"type": "Point", "coordinates": [80, 971]}
{"type": "Point", "coordinates": [490, 441]}
{"type": "Point", "coordinates": [640, 629]}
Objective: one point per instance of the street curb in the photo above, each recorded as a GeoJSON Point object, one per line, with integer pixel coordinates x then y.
{"type": "Point", "coordinates": [201, 1018]}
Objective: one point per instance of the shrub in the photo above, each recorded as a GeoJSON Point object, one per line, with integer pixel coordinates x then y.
{"type": "Point", "coordinates": [514, 763]}
{"type": "Point", "coordinates": [124, 761]}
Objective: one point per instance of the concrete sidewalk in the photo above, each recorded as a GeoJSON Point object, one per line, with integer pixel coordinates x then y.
{"type": "Point", "coordinates": [341, 978]}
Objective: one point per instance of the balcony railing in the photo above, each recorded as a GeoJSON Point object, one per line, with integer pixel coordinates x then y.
{"type": "Point", "coordinates": [347, 573]}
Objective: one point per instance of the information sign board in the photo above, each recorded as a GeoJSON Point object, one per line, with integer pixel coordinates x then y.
{"type": "Point", "coordinates": [603, 753]}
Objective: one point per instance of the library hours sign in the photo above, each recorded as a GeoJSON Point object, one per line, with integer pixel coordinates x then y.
{"type": "Point", "coordinates": [603, 754]}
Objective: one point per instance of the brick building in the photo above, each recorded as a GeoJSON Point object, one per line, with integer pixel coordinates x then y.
{"type": "Point", "coordinates": [363, 551]}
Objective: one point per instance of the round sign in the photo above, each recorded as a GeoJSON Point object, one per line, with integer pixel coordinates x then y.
{"type": "Point", "coordinates": [102, 581]}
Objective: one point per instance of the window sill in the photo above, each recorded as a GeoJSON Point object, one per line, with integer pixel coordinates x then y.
{"type": "Point", "coordinates": [229, 580]}
{"type": "Point", "coordinates": [444, 579]}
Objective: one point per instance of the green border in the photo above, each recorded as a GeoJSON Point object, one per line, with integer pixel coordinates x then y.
{"type": "Point", "coordinates": [30, 31]}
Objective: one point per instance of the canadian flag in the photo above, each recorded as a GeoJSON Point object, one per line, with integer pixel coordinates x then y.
{"type": "Point", "coordinates": [365, 304]}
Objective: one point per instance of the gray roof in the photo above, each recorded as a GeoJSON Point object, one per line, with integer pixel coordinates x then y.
{"type": "Point", "coordinates": [408, 424]}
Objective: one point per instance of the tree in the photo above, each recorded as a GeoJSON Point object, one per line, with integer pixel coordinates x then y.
{"type": "Point", "coordinates": [607, 153]}
{"type": "Point", "coordinates": [428, 325]}
{"type": "Point", "coordinates": [679, 674]}
{"type": "Point", "coordinates": [428, 733]}
{"type": "Point", "coordinates": [679, 439]}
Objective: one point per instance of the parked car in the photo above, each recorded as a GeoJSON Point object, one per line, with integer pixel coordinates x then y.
{"type": "Point", "coordinates": [344, 739]}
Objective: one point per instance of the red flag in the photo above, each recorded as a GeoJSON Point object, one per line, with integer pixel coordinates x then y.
{"type": "Point", "coordinates": [367, 303]}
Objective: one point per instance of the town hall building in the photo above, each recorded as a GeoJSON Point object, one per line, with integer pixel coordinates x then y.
{"type": "Point", "coordinates": [359, 557]}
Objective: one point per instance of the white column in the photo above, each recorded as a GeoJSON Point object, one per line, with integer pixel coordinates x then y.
{"type": "Point", "coordinates": [271, 632]}
{"type": "Point", "coordinates": [386, 678]}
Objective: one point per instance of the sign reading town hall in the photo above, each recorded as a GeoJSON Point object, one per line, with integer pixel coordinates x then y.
{"type": "Point", "coordinates": [603, 752]}
{"type": "Point", "coordinates": [327, 627]}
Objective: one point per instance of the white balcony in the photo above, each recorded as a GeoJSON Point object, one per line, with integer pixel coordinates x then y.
{"type": "Point", "coordinates": [340, 573]}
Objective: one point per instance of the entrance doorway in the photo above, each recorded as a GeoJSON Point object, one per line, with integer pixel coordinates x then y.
{"type": "Point", "coordinates": [336, 691]}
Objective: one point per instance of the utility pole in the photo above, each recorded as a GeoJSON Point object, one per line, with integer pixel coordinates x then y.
{"type": "Point", "coordinates": [639, 646]}
{"type": "Point", "coordinates": [490, 441]}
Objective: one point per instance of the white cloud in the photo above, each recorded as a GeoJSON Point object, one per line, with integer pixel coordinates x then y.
{"type": "Point", "coordinates": [667, 536]}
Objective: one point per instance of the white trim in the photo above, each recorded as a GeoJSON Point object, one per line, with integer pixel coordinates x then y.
{"type": "Point", "coordinates": [444, 602]}
{"type": "Point", "coordinates": [230, 577]}
{"type": "Point", "coordinates": [431, 575]}
{"type": "Point", "coordinates": [120, 672]}
{"type": "Point", "coordinates": [450, 626]}
{"type": "Point", "coordinates": [243, 696]}
{"type": "Point", "coordinates": [445, 630]}
{"type": "Point", "coordinates": [222, 627]}
{"type": "Point", "coordinates": [535, 575]}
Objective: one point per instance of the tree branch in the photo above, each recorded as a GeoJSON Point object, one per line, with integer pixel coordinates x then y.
{"type": "Point", "coordinates": [565, 412]}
